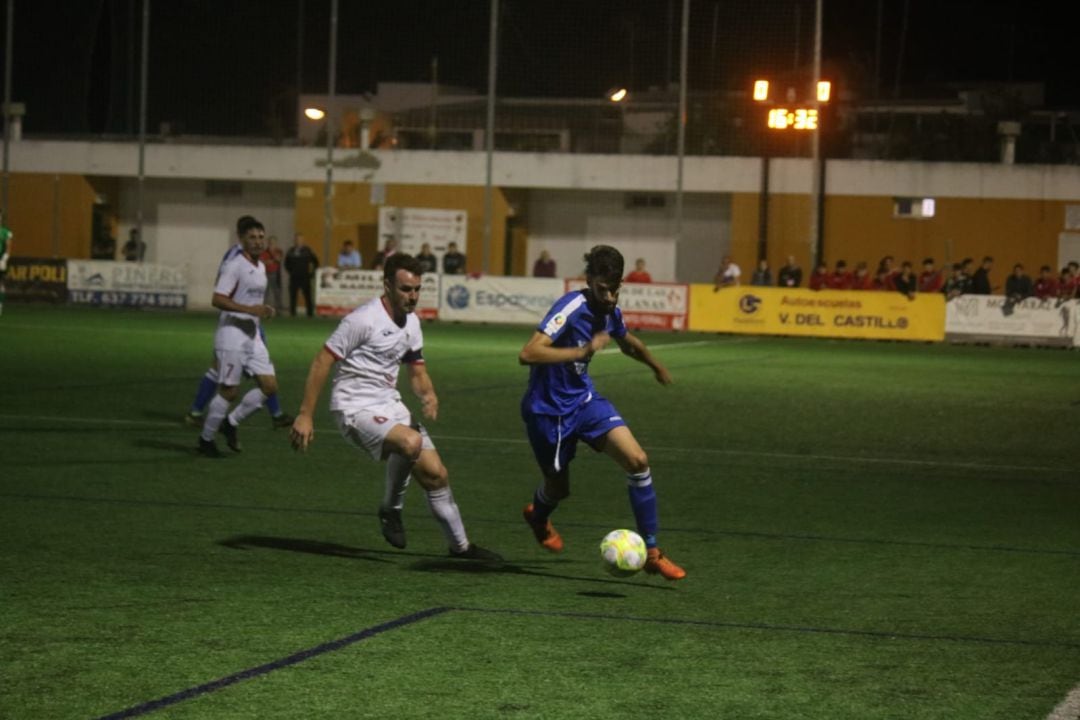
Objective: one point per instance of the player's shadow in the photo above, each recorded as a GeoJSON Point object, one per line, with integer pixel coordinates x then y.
{"type": "Point", "coordinates": [309, 547]}
{"type": "Point", "coordinates": [187, 448]}
{"type": "Point", "coordinates": [451, 565]}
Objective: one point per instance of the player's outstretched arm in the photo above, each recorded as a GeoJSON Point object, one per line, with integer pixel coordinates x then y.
{"type": "Point", "coordinates": [303, 428]}
{"type": "Point", "coordinates": [540, 350]}
{"type": "Point", "coordinates": [633, 347]}
{"type": "Point", "coordinates": [424, 389]}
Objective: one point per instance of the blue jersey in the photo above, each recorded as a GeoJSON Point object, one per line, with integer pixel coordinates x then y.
{"type": "Point", "coordinates": [558, 389]}
{"type": "Point", "coordinates": [232, 252]}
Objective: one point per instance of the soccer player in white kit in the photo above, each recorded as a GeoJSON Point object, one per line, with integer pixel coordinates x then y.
{"type": "Point", "coordinates": [369, 346]}
{"type": "Point", "coordinates": [238, 345]}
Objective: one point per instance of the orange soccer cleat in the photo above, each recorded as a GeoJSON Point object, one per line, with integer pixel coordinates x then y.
{"type": "Point", "coordinates": [544, 532]}
{"type": "Point", "coordinates": [659, 564]}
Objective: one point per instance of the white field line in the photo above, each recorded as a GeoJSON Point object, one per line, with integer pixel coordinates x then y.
{"type": "Point", "coordinates": [1069, 709]}
{"type": "Point", "coordinates": [657, 448]}
{"type": "Point", "coordinates": [665, 346]}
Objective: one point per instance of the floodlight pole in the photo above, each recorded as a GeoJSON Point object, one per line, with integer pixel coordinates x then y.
{"type": "Point", "coordinates": [144, 75]}
{"type": "Point", "coordinates": [681, 149]}
{"type": "Point", "coordinates": [489, 135]}
{"type": "Point", "coordinates": [8, 41]}
{"type": "Point", "coordinates": [816, 160]}
{"type": "Point", "coordinates": [328, 189]}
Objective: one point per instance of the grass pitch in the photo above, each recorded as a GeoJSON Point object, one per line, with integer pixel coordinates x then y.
{"type": "Point", "coordinates": [871, 530]}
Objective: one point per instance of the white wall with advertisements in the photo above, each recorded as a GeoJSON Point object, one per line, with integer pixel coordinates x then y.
{"type": "Point", "coordinates": [652, 306]}
{"type": "Point", "coordinates": [339, 292]}
{"type": "Point", "coordinates": [126, 284]}
{"type": "Point", "coordinates": [992, 318]}
{"type": "Point", "coordinates": [498, 299]}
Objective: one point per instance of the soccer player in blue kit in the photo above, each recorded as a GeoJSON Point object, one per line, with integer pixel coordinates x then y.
{"type": "Point", "coordinates": [561, 405]}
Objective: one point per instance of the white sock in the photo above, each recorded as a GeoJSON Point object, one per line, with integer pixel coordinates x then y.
{"type": "Point", "coordinates": [250, 403]}
{"type": "Point", "coordinates": [215, 413]}
{"type": "Point", "coordinates": [447, 514]}
{"type": "Point", "coordinates": [397, 480]}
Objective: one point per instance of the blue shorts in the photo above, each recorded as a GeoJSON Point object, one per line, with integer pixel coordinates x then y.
{"type": "Point", "coordinates": [554, 437]}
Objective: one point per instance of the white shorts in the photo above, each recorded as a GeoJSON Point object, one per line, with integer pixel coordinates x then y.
{"type": "Point", "coordinates": [235, 358]}
{"type": "Point", "coordinates": [368, 427]}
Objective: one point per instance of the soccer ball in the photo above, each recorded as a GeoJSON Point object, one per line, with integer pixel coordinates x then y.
{"type": "Point", "coordinates": [623, 552]}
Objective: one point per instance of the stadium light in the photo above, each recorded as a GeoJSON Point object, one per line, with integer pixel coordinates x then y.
{"type": "Point", "coordinates": [314, 113]}
{"type": "Point", "coordinates": [617, 94]}
{"type": "Point", "coordinates": [761, 90]}
{"type": "Point", "coordinates": [824, 90]}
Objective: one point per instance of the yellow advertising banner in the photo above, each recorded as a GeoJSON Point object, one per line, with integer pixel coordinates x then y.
{"type": "Point", "coordinates": [874, 315]}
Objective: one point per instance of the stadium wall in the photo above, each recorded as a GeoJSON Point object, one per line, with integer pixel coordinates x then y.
{"type": "Point", "coordinates": [1011, 212]}
{"type": "Point", "coordinates": [356, 217]}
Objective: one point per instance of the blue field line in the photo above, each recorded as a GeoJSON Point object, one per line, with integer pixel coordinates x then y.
{"type": "Point", "coordinates": [883, 634]}
{"type": "Point", "coordinates": [269, 667]}
{"type": "Point", "coordinates": [751, 534]}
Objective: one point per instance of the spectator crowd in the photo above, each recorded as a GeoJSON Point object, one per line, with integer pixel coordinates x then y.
{"type": "Point", "coordinates": [961, 278]}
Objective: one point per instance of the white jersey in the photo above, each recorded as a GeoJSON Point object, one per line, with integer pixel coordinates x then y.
{"type": "Point", "coordinates": [244, 282]}
{"type": "Point", "coordinates": [370, 348]}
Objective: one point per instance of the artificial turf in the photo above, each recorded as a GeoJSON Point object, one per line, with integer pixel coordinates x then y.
{"type": "Point", "coordinates": [871, 530]}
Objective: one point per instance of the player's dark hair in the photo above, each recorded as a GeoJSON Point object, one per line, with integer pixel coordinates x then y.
{"type": "Point", "coordinates": [401, 261]}
{"type": "Point", "coordinates": [246, 223]}
{"type": "Point", "coordinates": [604, 262]}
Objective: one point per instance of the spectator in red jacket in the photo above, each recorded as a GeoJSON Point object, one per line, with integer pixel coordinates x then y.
{"type": "Point", "coordinates": [861, 278]}
{"type": "Point", "coordinates": [839, 278]}
{"type": "Point", "coordinates": [930, 279]}
{"type": "Point", "coordinates": [1046, 286]}
{"type": "Point", "coordinates": [885, 273]}
{"type": "Point", "coordinates": [819, 280]}
{"type": "Point", "coordinates": [639, 274]}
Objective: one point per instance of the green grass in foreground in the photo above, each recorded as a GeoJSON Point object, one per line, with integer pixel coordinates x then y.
{"type": "Point", "coordinates": [872, 530]}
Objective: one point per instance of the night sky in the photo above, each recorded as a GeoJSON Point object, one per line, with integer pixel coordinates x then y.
{"type": "Point", "coordinates": [231, 67]}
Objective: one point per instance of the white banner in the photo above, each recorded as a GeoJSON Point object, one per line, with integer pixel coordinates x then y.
{"type": "Point", "coordinates": [412, 227]}
{"type": "Point", "coordinates": [990, 317]}
{"type": "Point", "coordinates": [128, 284]}
{"type": "Point", "coordinates": [655, 306]}
{"type": "Point", "coordinates": [339, 292]}
{"type": "Point", "coordinates": [498, 299]}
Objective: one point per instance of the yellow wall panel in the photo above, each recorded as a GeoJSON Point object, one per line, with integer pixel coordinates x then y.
{"type": "Point", "coordinates": [51, 215]}
{"type": "Point", "coordinates": [858, 228]}
{"type": "Point", "coordinates": [353, 208]}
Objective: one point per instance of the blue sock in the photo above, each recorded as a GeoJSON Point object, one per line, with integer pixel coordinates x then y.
{"type": "Point", "coordinates": [643, 502]}
{"type": "Point", "coordinates": [207, 388]}
{"type": "Point", "coordinates": [272, 405]}
{"type": "Point", "coordinates": [542, 507]}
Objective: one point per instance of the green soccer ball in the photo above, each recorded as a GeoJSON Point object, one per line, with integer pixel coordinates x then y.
{"type": "Point", "coordinates": [623, 552]}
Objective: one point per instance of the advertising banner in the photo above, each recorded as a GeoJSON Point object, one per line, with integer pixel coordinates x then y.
{"type": "Point", "coordinates": [825, 313]}
{"type": "Point", "coordinates": [36, 280]}
{"type": "Point", "coordinates": [498, 299]}
{"type": "Point", "coordinates": [339, 292]}
{"type": "Point", "coordinates": [126, 284]}
{"type": "Point", "coordinates": [992, 318]}
{"type": "Point", "coordinates": [650, 306]}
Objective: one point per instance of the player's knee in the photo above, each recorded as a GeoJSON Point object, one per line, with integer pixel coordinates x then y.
{"type": "Point", "coordinates": [411, 445]}
{"type": "Point", "coordinates": [268, 384]}
{"type": "Point", "coordinates": [637, 463]}
{"type": "Point", "coordinates": [229, 392]}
